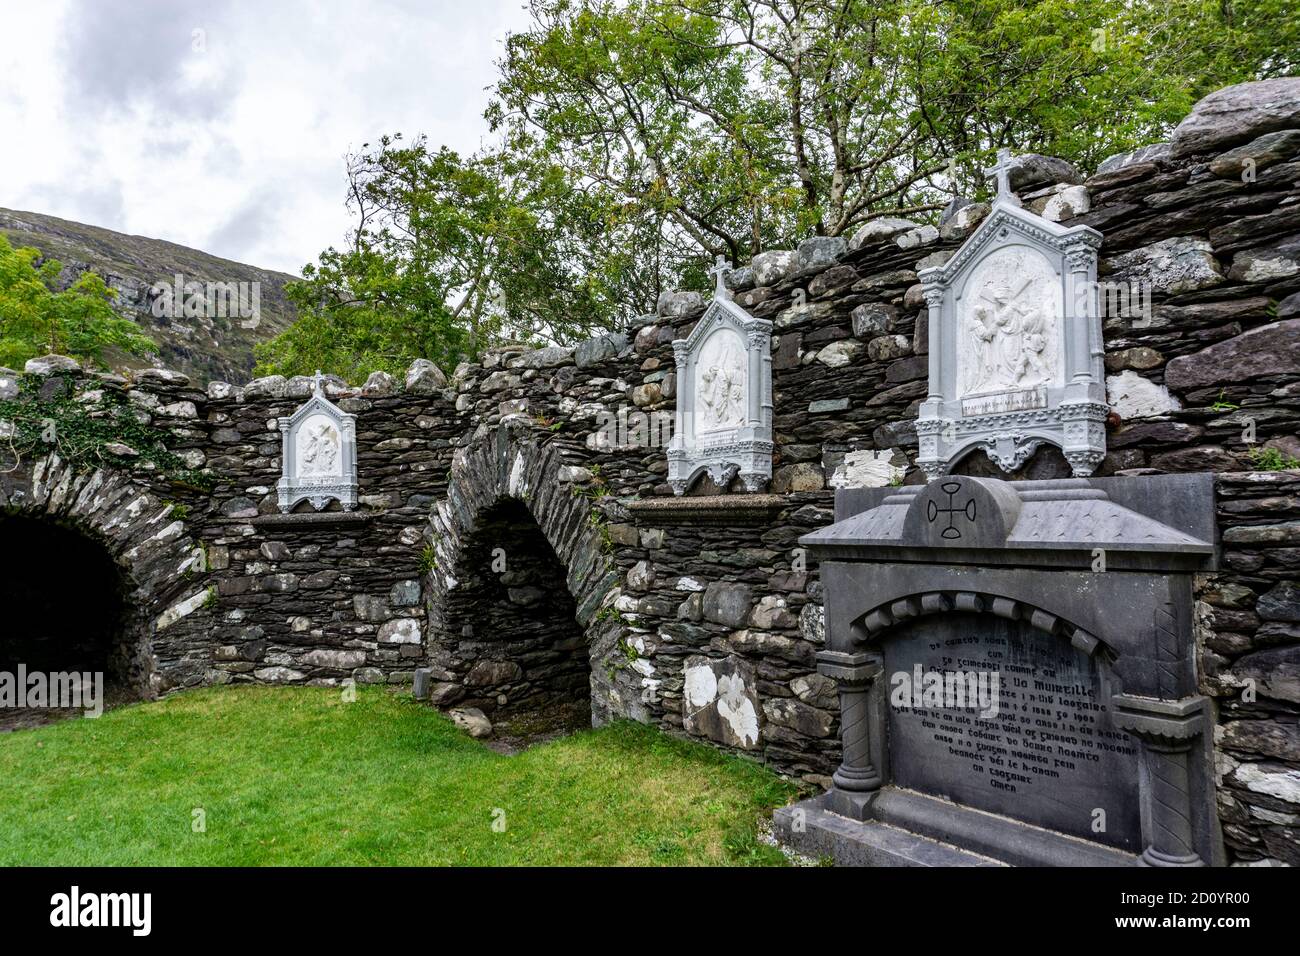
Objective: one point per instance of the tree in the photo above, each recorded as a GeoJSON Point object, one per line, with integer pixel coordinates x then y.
{"type": "Point", "coordinates": [749, 124]}
{"type": "Point", "coordinates": [450, 254]}
{"type": "Point", "coordinates": [638, 139]}
{"type": "Point", "coordinates": [37, 319]}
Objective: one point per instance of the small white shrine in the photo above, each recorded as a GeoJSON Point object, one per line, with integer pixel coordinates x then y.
{"type": "Point", "coordinates": [1015, 343]}
{"type": "Point", "coordinates": [723, 421]}
{"type": "Point", "coordinates": [319, 461]}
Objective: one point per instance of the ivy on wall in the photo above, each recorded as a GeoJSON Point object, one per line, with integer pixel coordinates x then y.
{"type": "Point", "coordinates": [88, 434]}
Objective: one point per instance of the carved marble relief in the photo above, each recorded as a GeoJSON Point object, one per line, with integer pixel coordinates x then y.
{"type": "Point", "coordinates": [1015, 344]}
{"type": "Point", "coordinates": [319, 454]}
{"type": "Point", "coordinates": [1011, 317]}
{"type": "Point", "coordinates": [722, 366]}
{"type": "Point", "coordinates": [723, 420]}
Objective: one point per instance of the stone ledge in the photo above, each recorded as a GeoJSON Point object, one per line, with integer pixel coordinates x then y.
{"type": "Point", "coordinates": [709, 510]}
{"type": "Point", "coordinates": [312, 519]}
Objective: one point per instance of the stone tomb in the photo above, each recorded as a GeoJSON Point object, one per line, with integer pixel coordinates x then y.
{"type": "Point", "coordinates": [723, 424]}
{"type": "Point", "coordinates": [1017, 675]}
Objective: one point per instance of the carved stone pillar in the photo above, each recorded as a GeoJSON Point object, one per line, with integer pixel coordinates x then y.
{"type": "Point", "coordinates": [858, 776]}
{"type": "Point", "coordinates": [1167, 730]}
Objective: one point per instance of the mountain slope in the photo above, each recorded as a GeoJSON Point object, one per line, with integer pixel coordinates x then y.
{"type": "Point", "coordinates": [206, 346]}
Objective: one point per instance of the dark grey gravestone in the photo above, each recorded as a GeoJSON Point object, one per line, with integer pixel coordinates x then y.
{"type": "Point", "coordinates": [1062, 611]}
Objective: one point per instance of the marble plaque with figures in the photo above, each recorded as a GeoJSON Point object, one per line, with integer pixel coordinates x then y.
{"type": "Point", "coordinates": [1015, 344]}
{"type": "Point", "coordinates": [723, 425]}
{"type": "Point", "coordinates": [319, 459]}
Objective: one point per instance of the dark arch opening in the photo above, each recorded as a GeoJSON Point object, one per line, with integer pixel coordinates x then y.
{"type": "Point", "coordinates": [63, 602]}
{"type": "Point", "coordinates": [510, 621]}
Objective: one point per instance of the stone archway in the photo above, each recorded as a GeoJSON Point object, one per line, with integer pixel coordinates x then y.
{"type": "Point", "coordinates": [520, 585]}
{"type": "Point", "coordinates": [124, 530]}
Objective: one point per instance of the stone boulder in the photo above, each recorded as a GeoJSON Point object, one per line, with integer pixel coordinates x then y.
{"type": "Point", "coordinates": [674, 305]}
{"type": "Point", "coordinates": [603, 348]}
{"type": "Point", "coordinates": [1259, 153]}
{"type": "Point", "coordinates": [821, 251]}
{"type": "Point", "coordinates": [1032, 169]}
{"type": "Point", "coordinates": [1272, 349]}
{"type": "Point", "coordinates": [878, 230]}
{"type": "Point", "coordinates": [471, 720]}
{"type": "Point", "coordinates": [50, 364]}
{"type": "Point", "coordinates": [1238, 114]}
{"type": "Point", "coordinates": [771, 267]}
{"type": "Point", "coordinates": [1180, 264]}
{"type": "Point", "coordinates": [424, 378]}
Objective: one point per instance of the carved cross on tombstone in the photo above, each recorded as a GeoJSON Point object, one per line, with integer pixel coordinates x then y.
{"type": "Point", "coordinates": [318, 383]}
{"type": "Point", "coordinates": [719, 271]}
{"type": "Point", "coordinates": [1002, 170]}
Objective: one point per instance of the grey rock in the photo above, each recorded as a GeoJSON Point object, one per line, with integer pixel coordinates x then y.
{"type": "Point", "coordinates": [1259, 153]}
{"type": "Point", "coordinates": [1238, 114]}
{"type": "Point", "coordinates": [920, 236]}
{"type": "Point", "coordinates": [874, 318]}
{"type": "Point", "coordinates": [424, 378]}
{"type": "Point", "coordinates": [334, 660]}
{"type": "Point", "coordinates": [1280, 603]}
{"type": "Point", "coordinates": [1272, 349]}
{"type": "Point", "coordinates": [955, 204]}
{"type": "Point", "coordinates": [1176, 265]}
{"type": "Point", "coordinates": [820, 251]}
{"type": "Point", "coordinates": [1032, 169]}
{"type": "Point", "coordinates": [404, 594]}
{"type": "Point", "coordinates": [738, 280]}
{"type": "Point", "coordinates": [674, 305]}
{"type": "Point", "coordinates": [600, 349]}
{"type": "Point", "coordinates": [377, 384]}
{"type": "Point", "coordinates": [828, 405]}
{"type": "Point", "coordinates": [549, 357]}
{"type": "Point", "coordinates": [270, 386]}
{"type": "Point", "coordinates": [493, 673]}
{"type": "Point", "coordinates": [50, 364]}
{"type": "Point", "coordinates": [878, 230]}
{"type": "Point", "coordinates": [727, 603]}
{"type": "Point", "coordinates": [771, 267]}
{"type": "Point", "coordinates": [471, 720]}
{"type": "Point", "coordinates": [1145, 154]}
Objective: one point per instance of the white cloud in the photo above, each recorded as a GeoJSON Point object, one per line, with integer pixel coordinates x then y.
{"type": "Point", "coordinates": [223, 126]}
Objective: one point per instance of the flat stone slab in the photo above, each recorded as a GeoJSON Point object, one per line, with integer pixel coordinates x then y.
{"type": "Point", "coordinates": [312, 519]}
{"type": "Point", "coordinates": [709, 509]}
{"type": "Point", "coordinates": [850, 843]}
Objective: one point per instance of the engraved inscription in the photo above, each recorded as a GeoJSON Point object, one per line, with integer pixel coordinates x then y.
{"type": "Point", "coordinates": [1050, 757]}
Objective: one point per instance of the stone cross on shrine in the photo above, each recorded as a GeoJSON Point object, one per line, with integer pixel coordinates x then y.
{"type": "Point", "coordinates": [1002, 170]}
{"type": "Point", "coordinates": [719, 271]}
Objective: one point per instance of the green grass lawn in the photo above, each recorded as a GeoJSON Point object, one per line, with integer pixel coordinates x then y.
{"type": "Point", "coordinates": [290, 776]}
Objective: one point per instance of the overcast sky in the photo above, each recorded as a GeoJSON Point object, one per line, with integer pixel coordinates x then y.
{"type": "Point", "coordinates": [223, 125]}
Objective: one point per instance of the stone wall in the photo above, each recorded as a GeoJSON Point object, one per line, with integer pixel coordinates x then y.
{"type": "Point", "coordinates": [700, 614]}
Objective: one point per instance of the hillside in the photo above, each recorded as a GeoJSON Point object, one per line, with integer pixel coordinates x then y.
{"type": "Point", "coordinates": [204, 346]}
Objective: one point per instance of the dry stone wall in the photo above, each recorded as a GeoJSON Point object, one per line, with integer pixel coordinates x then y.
{"type": "Point", "coordinates": [700, 614]}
